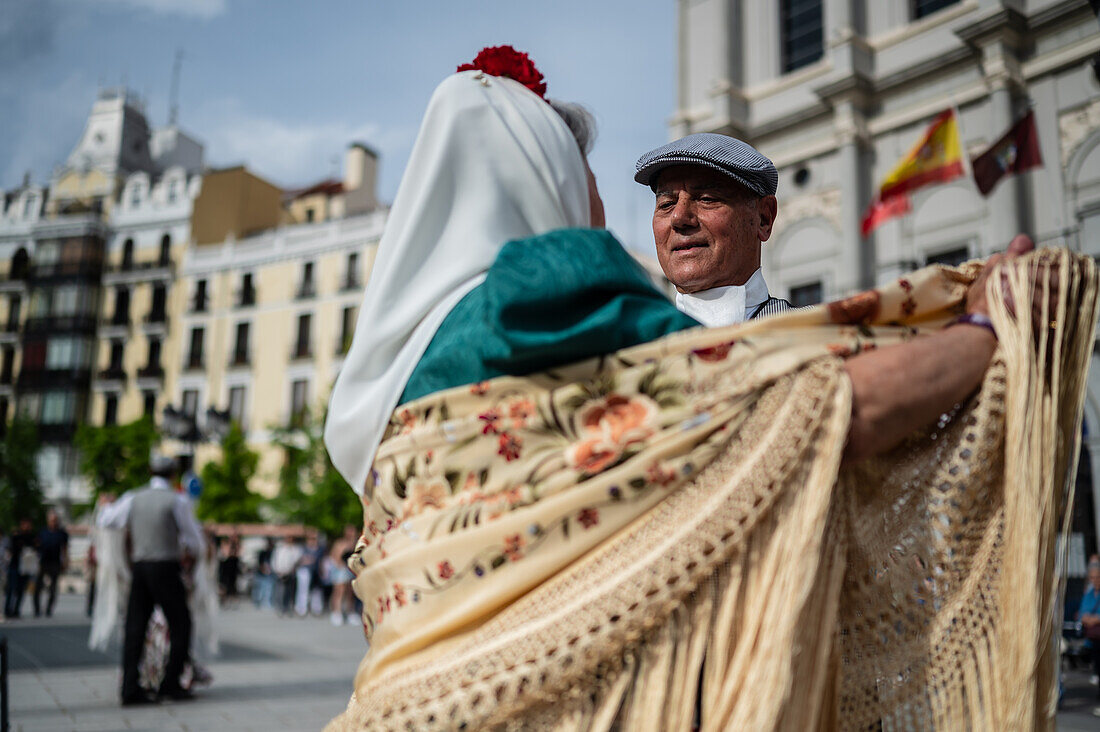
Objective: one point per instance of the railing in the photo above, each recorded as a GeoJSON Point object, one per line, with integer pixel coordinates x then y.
{"type": "Point", "coordinates": [138, 266]}
{"type": "Point", "coordinates": [301, 350]}
{"type": "Point", "coordinates": [61, 323]}
{"type": "Point", "coordinates": [246, 298]}
{"type": "Point", "coordinates": [114, 372]}
{"type": "Point", "coordinates": [151, 371]}
{"type": "Point", "coordinates": [306, 289]}
{"type": "Point", "coordinates": [67, 269]}
{"type": "Point", "coordinates": [158, 317]}
{"type": "Point", "coordinates": [350, 283]}
{"type": "Point", "coordinates": [198, 305]}
{"type": "Point", "coordinates": [194, 361]}
{"type": "Point", "coordinates": [239, 359]}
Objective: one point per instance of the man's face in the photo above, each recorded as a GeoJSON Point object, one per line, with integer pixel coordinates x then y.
{"type": "Point", "coordinates": [1094, 578]}
{"type": "Point", "coordinates": [708, 228]}
{"type": "Point", "coordinates": [52, 520]}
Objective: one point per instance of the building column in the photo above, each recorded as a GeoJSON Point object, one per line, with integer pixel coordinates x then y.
{"type": "Point", "coordinates": [858, 256]}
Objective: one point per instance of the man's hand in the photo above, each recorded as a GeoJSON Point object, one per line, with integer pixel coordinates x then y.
{"type": "Point", "coordinates": [976, 301]}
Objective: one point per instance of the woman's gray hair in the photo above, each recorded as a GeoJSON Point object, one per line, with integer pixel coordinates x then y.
{"type": "Point", "coordinates": [579, 121]}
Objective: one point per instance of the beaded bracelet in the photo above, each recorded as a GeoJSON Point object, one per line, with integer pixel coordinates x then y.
{"type": "Point", "coordinates": [982, 321]}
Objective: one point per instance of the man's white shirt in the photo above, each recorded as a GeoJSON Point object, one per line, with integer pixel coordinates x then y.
{"type": "Point", "coordinates": [725, 305]}
{"type": "Point", "coordinates": [117, 514]}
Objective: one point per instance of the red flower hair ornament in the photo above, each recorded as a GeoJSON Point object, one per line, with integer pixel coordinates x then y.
{"type": "Point", "coordinates": [508, 62]}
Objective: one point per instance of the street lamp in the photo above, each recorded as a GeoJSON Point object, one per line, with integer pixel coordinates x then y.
{"type": "Point", "coordinates": [185, 427]}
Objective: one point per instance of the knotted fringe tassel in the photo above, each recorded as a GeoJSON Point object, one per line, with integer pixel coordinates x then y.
{"type": "Point", "coordinates": [1046, 374]}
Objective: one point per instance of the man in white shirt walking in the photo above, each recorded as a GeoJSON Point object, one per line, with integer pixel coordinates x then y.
{"type": "Point", "coordinates": [715, 207]}
{"type": "Point", "coordinates": [162, 529]}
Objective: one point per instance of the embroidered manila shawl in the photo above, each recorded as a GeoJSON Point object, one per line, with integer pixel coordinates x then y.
{"type": "Point", "coordinates": [665, 536]}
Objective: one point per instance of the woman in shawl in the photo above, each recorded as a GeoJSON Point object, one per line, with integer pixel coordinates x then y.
{"type": "Point", "coordinates": [582, 512]}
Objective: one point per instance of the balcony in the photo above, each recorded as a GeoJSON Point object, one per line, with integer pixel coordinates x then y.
{"type": "Point", "coordinates": [132, 272]}
{"type": "Point", "coordinates": [199, 304]}
{"type": "Point", "coordinates": [61, 324]}
{"type": "Point", "coordinates": [239, 359]}
{"type": "Point", "coordinates": [246, 298]}
{"type": "Point", "coordinates": [57, 433]}
{"type": "Point", "coordinates": [43, 378]}
{"type": "Point", "coordinates": [301, 351]}
{"type": "Point", "coordinates": [306, 290]}
{"type": "Point", "coordinates": [351, 282]}
{"type": "Point", "coordinates": [114, 372]}
{"type": "Point", "coordinates": [194, 362]}
{"type": "Point", "coordinates": [155, 322]}
{"type": "Point", "coordinates": [7, 376]}
{"type": "Point", "coordinates": [67, 270]}
{"type": "Point", "coordinates": [151, 371]}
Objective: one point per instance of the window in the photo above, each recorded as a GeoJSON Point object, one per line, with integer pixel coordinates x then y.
{"type": "Point", "coordinates": [29, 206]}
{"type": "Point", "coordinates": [7, 370]}
{"type": "Point", "coordinates": [194, 356]}
{"type": "Point", "coordinates": [128, 254]}
{"type": "Point", "coordinates": [158, 310]}
{"type": "Point", "coordinates": [149, 403]}
{"type": "Point", "coordinates": [68, 353]}
{"type": "Point", "coordinates": [153, 363]}
{"type": "Point", "coordinates": [19, 264]}
{"type": "Point", "coordinates": [309, 215]}
{"type": "Point", "coordinates": [922, 8]}
{"type": "Point", "coordinates": [347, 329]}
{"type": "Point", "coordinates": [240, 350]}
{"type": "Point", "coordinates": [236, 405]}
{"type": "Point", "coordinates": [13, 312]}
{"type": "Point", "coordinates": [301, 346]}
{"type": "Point", "coordinates": [351, 276]}
{"type": "Point", "coordinates": [801, 28]}
{"type": "Point", "coordinates": [190, 402]}
{"type": "Point", "coordinates": [198, 305]}
{"type": "Point", "coordinates": [110, 409]}
{"type": "Point", "coordinates": [951, 258]}
{"type": "Point", "coordinates": [305, 289]}
{"type": "Point", "coordinates": [116, 356]}
{"type": "Point", "coordinates": [135, 196]}
{"type": "Point", "coordinates": [173, 191]}
{"type": "Point", "coordinates": [58, 407]}
{"type": "Point", "coordinates": [122, 307]}
{"type": "Point", "coordinates": [298, 397]}
{"type": "Point", "coordinates": [28, 405]}
{"type": "Point", "coordinates": [808, 294]}
{"type": "Point", "coordinates": [165, 251]}
{"type": "Point", "coordinates": [248, 292]}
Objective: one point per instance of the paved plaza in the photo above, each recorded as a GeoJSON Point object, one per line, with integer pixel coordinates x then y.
{"type": "Point", "coordinates": [273, 674]}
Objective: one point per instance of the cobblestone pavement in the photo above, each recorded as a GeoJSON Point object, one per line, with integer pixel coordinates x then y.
{"type": "Point", "coordinates": [274, 674]}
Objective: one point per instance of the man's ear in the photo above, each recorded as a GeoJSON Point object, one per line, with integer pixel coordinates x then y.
{"type": "Point", "coordinates": [766, 210]}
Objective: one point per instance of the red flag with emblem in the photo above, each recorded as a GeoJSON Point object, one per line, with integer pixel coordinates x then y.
{"type": "Point", "coordinates": [1015, 152]}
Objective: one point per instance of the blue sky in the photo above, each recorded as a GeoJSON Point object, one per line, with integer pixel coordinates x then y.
{"type": "Point", "coordinates": [284, 86]}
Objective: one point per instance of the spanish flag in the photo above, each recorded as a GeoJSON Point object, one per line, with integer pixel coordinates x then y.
{"type": "Point", "coordinates": [935, 159]}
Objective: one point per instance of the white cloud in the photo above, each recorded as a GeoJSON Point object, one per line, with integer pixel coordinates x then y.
{"type": "Point", "coordinates": [288, 153]}
{"type": "Point", "coordinates": [204, 9]}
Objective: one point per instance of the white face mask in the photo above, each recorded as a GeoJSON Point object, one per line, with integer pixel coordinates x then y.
{"type": "Point", "coordinates": [720, 306]}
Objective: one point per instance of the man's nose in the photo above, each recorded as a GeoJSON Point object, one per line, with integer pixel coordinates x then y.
{"type": "Point", "coordinates": [683, 214]}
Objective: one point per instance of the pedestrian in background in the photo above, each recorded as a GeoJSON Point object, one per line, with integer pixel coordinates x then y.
{"type": "Point", "coordinates": [229, 570]}
{"type": "Point", "coordinates": [53, 559]}
{"type": "Point", "coordinates": [21, 567]}
{"type": "Point", "coordinates": [263, 578]}
{"type": "Point", "coordinates": [160, 522]}
{"type": "Point", "coordinates": [284, 562]}
{"type": "Point", "coordinates": [308, 597]}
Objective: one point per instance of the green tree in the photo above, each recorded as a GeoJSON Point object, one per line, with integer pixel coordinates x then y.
{"type": "Point", "coordinates": [311, 491]}
{"type": "Point", "coordinates": [226, 497]}
{"type": "Point", "coordinates": [20, 494]}
{"type": "Point", "coordinates": [115, 458]}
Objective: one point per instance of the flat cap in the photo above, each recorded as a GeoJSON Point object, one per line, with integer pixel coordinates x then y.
{"type": "Point", "coordinates": [728, 155]}
{"type": "Point", "coordinates": [160, 464]}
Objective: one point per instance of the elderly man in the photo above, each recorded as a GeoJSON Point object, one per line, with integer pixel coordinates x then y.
{"type": "Point", "coordinates": [715, 207]}
{"type": "Point", "coordinates": [162, 529]}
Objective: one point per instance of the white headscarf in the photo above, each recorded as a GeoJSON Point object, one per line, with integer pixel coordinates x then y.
{"type": "Point", "coordinates": [493, 162]}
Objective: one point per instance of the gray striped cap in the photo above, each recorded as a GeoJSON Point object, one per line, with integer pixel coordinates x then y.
{"type": "Point", "coordinates": [739, 160]}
